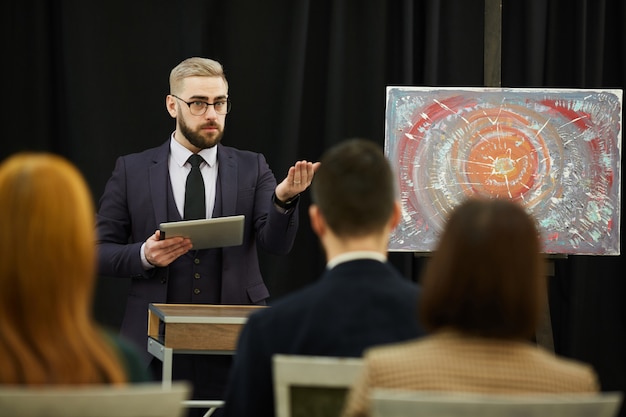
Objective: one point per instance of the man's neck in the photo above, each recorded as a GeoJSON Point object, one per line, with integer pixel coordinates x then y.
{"type": "Point", "coordinates": [335, 246]}
{"type": "Point", "coordinates": [355, 255]}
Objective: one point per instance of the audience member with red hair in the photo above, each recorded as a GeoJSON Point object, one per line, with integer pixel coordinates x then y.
{"type": "Point", "coordinates": [47, 274]}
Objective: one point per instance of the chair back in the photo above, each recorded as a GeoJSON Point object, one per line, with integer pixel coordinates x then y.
{"type": "Point", "coordinates": [306, 386]}
{"type": "Point", "coordinates": [400, 403]}
{"type": "Point", "coordinates": [135, 400]}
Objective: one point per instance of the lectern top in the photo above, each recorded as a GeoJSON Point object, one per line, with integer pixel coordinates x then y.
{"type": "Point", "coordinates": [203, 313]}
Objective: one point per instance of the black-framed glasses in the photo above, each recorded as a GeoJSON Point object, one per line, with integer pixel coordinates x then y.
{"type": "Point", "coordinates": [199, 107]}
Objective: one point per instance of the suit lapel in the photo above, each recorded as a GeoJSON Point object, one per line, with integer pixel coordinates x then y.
{"type": "Point", "coordinates": [159, 175]}
{"type": "Point", "coordinates": [228, 177]}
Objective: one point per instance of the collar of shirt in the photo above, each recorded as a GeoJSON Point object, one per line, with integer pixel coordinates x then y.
{"type": "Point", "coordinates": [351, 256]}
{"type": "Point", "coordinates": [180, 154]}
{"type": "Point", "coordinates": [178, 174]}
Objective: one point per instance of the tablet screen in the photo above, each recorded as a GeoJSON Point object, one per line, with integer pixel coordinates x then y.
{"type": "Point", "coordinates": [218, 232]}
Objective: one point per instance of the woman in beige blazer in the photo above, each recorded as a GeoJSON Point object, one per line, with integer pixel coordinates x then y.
{"type": "Point", "coordinates": [484, 291]}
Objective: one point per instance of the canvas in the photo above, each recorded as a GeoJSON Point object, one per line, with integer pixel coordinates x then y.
{"type": "Point", "coordinates": [556, 151]}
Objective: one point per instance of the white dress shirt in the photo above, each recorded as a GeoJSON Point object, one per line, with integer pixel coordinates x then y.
{"type": "Point", "coordinates": [351, 256]}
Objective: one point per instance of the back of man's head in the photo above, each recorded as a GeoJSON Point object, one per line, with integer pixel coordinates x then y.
{"type": "Point", "coordinates": [354, 188]}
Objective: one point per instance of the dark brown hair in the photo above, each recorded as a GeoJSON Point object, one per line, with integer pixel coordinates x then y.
{"type": "Point", "coordinates": [486, 276]}
{"type": "Point", "coordinates": [354, 188]}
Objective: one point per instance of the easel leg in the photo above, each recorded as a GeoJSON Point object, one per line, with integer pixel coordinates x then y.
{"type": "Point", "coordinates": [544, 335]}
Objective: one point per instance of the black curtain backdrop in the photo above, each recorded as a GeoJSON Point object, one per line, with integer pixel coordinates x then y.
{"type": "Point", "coordinates": [87, 79]}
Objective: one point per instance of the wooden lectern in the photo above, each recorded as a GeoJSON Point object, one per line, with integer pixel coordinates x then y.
{"type": "Point", "coordinates": [194, 329]}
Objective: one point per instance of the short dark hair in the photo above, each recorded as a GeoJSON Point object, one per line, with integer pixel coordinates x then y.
{"type": "Point", "coordinates": [487, 275]}
{"type": "Point", "coordinates": [354, 188]}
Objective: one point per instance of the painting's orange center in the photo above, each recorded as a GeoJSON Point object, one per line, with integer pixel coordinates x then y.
{"type": "Point", "coordinates": [502, 166]}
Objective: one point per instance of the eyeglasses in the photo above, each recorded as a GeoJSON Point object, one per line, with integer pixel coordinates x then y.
{"type": "Point", "coordinates": [198, 107]}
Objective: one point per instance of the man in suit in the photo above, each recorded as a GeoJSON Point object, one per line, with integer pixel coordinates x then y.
{"type": "Point", "coordinates": [149, 187]}
{"type": "Point", "coordinates": [359, 301]}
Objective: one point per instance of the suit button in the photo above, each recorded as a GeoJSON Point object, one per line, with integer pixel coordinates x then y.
{"type": "Point", "coordinates": [196, 261]}
{"type": "Point", "coordinates": [196, 291]}
{"type": "Point", "coordinates": [196, 275]}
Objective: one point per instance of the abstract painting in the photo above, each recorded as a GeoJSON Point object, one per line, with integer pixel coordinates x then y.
{"type": "Point", "coordinates": [555, 151]}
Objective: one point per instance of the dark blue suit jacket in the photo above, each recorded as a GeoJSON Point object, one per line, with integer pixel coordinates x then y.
{"type": "Point", "coordinates": [138, 197]}
{"type": "Point", "coordinates": [355, 305]}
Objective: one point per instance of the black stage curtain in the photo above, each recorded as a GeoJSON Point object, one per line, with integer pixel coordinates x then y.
{"type": "Point", "coordinates": [87, 79]}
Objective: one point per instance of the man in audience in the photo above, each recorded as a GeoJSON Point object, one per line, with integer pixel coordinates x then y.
{"type": "Point", "coordinates": [359, 301]}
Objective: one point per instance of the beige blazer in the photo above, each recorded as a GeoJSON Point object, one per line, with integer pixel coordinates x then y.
{"type": "Point", "coordinates": [449, 361]}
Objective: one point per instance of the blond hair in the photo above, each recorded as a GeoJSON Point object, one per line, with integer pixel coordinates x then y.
{"type": "Point", "coordinates": [195, 67]}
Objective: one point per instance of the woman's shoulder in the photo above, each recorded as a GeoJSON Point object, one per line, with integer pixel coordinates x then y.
{"type": "Point", "coordinates": [128, 354]}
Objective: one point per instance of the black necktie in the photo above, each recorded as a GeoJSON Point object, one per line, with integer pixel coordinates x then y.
{"type": "Point", "coordinates": [194, 191]}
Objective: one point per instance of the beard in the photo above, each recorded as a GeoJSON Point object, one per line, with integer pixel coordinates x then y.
{"type": "Point", "coordinates": [199, 139]}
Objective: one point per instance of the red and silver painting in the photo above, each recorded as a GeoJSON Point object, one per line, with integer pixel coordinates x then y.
{"type": "Point", "coordinates": [555, 151]}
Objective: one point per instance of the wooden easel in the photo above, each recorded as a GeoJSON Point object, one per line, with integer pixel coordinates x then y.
{"type": "Point", "coordinates": [492, 77]}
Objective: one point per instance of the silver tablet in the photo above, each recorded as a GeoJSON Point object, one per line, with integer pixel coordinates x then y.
{"type": "Point", "coordinates": [218, 232]}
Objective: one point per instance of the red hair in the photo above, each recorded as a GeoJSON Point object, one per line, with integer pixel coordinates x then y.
{"type": "Point", "coordinates": [47, 274]}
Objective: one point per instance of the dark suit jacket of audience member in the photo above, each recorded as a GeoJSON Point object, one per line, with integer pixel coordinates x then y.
{"type": "Point", "coordinates": [355, 305]}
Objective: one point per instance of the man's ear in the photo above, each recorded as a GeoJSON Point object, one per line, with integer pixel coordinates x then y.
{"type": "Point", "coordinates": [317, 220]}
{"type": "Point", "coordinates": [170, 105]}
